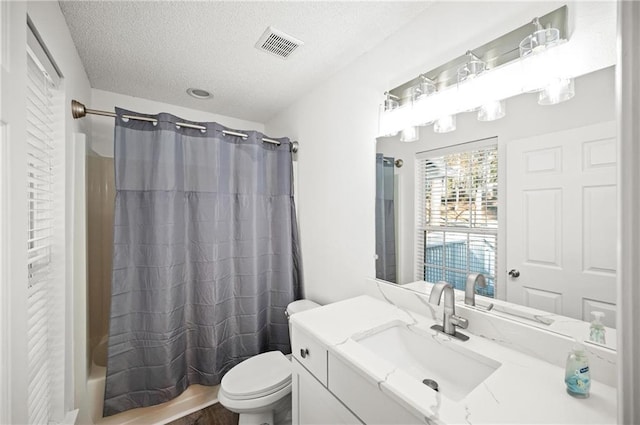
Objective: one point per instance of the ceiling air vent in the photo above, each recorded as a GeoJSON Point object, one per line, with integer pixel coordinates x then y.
{"type": "Point", "coordinates": [278, 43]}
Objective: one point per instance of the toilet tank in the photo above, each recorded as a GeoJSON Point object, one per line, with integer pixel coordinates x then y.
{"type": "Point", "coordinates": [297, 307]}
{"type": "Point", "coordinates": [300, 305]}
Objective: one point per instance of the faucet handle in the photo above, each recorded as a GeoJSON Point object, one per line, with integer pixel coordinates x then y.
{"type": "Point", "coordinates": [458, 321]}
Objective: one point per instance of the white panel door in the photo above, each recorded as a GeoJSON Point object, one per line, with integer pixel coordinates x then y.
{"type": "Point", "coordinates": [561, 222]}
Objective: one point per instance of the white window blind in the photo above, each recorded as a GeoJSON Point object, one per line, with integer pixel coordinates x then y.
{"type": "Point", "coordinates": [42, 172]}
{"type": "Point", "coordinates": [457, 214]}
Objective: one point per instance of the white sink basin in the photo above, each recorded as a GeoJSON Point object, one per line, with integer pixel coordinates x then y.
{"type": "Point", "coordinates": [456, 369]}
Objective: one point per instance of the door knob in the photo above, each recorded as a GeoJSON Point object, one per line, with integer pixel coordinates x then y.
{"type": "Point", "coordinates": [304, 352]}
{"type": "Point", "coordinates": [514, 273]}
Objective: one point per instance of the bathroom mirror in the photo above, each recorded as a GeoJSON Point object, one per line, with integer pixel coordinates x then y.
{"type": "Point", "coordinates": [529, 200]}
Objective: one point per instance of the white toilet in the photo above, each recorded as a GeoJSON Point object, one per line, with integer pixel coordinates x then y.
{"type": "Point", "coordinates": [259, 388]}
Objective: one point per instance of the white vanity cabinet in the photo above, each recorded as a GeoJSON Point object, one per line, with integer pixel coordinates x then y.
{"type": "Point", "coordinates": [312, 401]}
{"type": "Point", "coordinates": [362, 360]}
{"type": "Point", "coordinates": [326, 390]}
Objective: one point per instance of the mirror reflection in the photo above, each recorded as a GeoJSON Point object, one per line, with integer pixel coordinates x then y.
{"type": "Point", "coordinates": [528, 200]}
{"type": "Point", "coordinates": [385, 219]}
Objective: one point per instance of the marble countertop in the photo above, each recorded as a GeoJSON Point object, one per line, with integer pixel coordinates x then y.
{"type": "Point", "coordinates": [523, 389]}
{"type": "Point", "coordinates": [577, 329]}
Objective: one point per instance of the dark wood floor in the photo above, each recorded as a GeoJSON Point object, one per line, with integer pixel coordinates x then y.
{"type": "Point", "coordinates": [212, 415]}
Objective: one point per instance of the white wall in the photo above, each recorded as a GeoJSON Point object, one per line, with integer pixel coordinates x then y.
{"type": "Point", "coordinates": [336, 125]}
{"type": "Point", "coordinates": [101, 140]}
{"type": "Point", "coordinates": [594, 102]}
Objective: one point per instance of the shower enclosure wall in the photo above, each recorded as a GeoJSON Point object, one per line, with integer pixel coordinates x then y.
{"type": "Point", "coordinates": [100, 206]}
{"type": "Point", "coordinates": [100, 186]}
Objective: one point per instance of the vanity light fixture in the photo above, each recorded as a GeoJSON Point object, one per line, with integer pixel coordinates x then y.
{"type": "Point", "coordinates": [445, 124]}
{"type": "Point", "coordinates": [426, 87]}
{"type": "Point", "coordinates": [388, 126]}
{"type": "Point", "coordinates": [492, 110]}
{"type": "Point", "coordinates": [391, 102]}
{"type": "Point", "coordinates": [419, 94]}
{"type": "Point", "coordinates": [409, 134]}
{"type": "Point", "coordinates": [559, 89]}
{"type": "Point", "coordinates": [467, 73]}
{"type": "Point", "coordinates": [522, 61]}
{"type": "Point", "coordinates": [539, 40]}
{"type": "Point", "coordinates": [472, 68]}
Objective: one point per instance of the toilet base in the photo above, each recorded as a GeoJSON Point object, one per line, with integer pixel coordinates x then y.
{"type": "Point", "coordinates": [258, 418]}
{"type": "Point", "coordinates": [278, 413]}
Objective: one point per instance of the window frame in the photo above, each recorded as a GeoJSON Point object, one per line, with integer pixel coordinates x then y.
{"type": "Point", "coordinates": [421, 228]}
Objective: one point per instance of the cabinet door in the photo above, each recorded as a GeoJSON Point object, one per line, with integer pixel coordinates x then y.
{"type": "Point", "coordinates": [313, 403]}
{"type": "Point", "coordinates": [309, 353]}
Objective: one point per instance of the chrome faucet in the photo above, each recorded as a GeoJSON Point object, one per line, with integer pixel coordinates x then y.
{"type": "Point", "coordinates": [450, 320]}
{"type": "Point", "coordinates": [474, 279]}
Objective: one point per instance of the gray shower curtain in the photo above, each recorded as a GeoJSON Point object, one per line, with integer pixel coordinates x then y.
{"type": "Point", "coordinates": [385, 219]}
{"type": "Point", "coordinates": [205, 257]}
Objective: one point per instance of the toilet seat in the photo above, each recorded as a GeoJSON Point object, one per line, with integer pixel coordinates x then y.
{"type": "Point", "coordinates": [257, 377]}
{"type": "Point", "coordinates": [255, 405]}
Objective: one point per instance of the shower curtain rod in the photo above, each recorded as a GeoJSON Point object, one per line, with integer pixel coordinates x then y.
{"type": "Point", "coordinates": [78, 110]}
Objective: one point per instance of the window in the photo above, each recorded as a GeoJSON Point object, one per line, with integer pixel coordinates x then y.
{"type": "Point", "coordinates": [457, 214]}
{"type": "Point", "coordinates": [44, 192]}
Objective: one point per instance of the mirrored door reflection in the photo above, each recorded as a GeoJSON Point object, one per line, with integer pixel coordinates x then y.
{"type": "Point", "coordinates": [385, 219]}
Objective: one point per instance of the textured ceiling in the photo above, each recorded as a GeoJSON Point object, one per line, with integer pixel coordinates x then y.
{"type": "Point", "coordinates": [156, 50]}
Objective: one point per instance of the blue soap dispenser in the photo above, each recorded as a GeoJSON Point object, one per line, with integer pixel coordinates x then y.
{"type": "Point", "coordinates": [577, 375]}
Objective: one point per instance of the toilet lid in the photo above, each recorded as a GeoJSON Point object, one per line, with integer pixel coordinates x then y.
{"type": "Point", "coordinates": [257, 376]}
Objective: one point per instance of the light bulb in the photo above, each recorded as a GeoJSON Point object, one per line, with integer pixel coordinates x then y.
{"type": "Point", "coordinates": [559, 90]}
{"type": "Point", "coordinates": [445, 124]}
{"type": "Point", "coordinates": [491, 111]}
{"type": "Point", "coordinates": [409, 134]}
{"type": "Point", "coordinates": [386, 122]}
